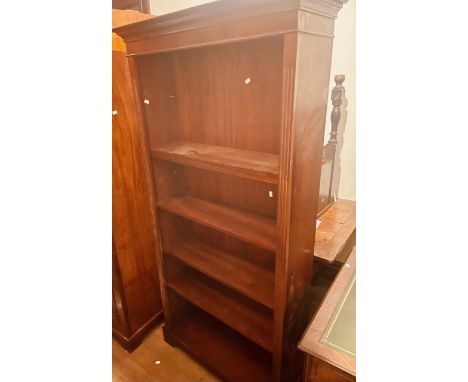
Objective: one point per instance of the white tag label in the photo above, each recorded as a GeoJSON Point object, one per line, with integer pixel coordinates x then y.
{"type": "Point", "coordinates": [114, 112]}
{"type": "Point", "coordinates": [270, 194]}
{"type": "Point", "coordinates": [146, 102]}
{"type": "Point", "coordinates": [317, 223]}
{"type": "Point", "coordinates": [248, 80]}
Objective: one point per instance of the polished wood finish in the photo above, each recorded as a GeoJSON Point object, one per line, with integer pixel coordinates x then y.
{"type": "Point", "coordinates": [336, 234]}
{"type": "Point", "coordinates": [330, 365]}
{"type": "Point", "coordinates": [206, 99]}
{"type": "Point", "coordinates": [241, 275]}
{"type": "Point", "coordinates": [227, 21]}
{"type": "Point", "coordinates": [233, 97]}
{"type": "Point", "coordinates": [221, 349]}
{"type": "Point", "coordinates": [336, 97]}
{"type": "Point", "coordinates": [242, 163]}
{"type": "Point", "coordinates": [119, 305]}
{"type": "Point", "coordinates": [236, 311]}
{"type": "Point", "coordinates": [326, 196]}
{"type": "Point", "coordinates": [142, 6]}
{"type": "Point", "coordinates": [121, 18]}
{"type": "Point", "coordinates": [319, 371]}
{"type": "Point", "coordinates": [241, 224]}
{"type": "Point", "coordinates": [135, 286]}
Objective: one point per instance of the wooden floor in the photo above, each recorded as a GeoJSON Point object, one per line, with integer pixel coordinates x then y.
{"type": "Point", "coordinates": [140, 366]}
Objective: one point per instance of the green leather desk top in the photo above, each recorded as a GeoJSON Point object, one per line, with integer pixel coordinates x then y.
{"type": "Point", "coordinates": [340, 332]}
{"type": "Point", "coordinates": [331, 335]}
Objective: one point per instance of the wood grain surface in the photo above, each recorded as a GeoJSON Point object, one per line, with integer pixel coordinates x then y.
{"type": "Point", "coordinates": [233, 309]}
{"type": "Point", "coordinates": [310, 342]}
{"type": "Point", "coordinates": [221, 349]}
{"type": "Point", "coordinates": [244, 225]}
{"type": "Point", "coordinates": [120, 18]}
{"type": "Point", "coordinates": [239, 274]}
{"type": "Point", "coordinates": [243, 163]}
{"type": "Point", "coordinates": [136, 292]}
{"type": "Point", "coordinates": [336, 230]}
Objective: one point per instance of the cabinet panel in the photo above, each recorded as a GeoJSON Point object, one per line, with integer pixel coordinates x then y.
{"type": "Point", "coordinates": [323, 372]}
{"type": "Point", "coordinates": [136, 294]}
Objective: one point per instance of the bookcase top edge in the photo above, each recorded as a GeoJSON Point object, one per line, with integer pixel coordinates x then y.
{"type": "Point", "coordinates": [222, 12]}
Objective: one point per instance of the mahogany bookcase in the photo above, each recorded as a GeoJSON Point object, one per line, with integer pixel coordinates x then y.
{"type": "Point", "coordinates": [232, 96]}
{"type": "Point", "coordinates": [136, 299]}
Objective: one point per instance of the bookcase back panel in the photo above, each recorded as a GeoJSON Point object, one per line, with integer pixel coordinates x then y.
{"type": "Point", "coordinates": [179, 273]}
{"type": "Point", "coordinates": [176, 230]}
{"type": "Point", "coordinates": [234, 309]}
{"type": "Point", "coordinates": [173, 228]}
{"type": "Point", "coordinates": [226, 95]}
{"type": "Point", "coordinates": [222, 349]}
{"type": "Point", "coordinates": [174, 180]}
{"type": "Point", "coordinates": [158, 98]}
{"type": "Point", "coordinates": [257, 197]}
{"type": "Point", "coordinates": [169, 179]}
{"type": "Point", "coordinates": [261, 257]}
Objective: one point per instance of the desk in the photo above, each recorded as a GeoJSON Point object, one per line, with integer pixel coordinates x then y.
{"type": "Point", "coordinates": [336, 234]}
{"type": "Point", "coordinates": [330, 340]}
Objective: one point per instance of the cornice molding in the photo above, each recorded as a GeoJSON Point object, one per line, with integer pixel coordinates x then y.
{"type": "Point", "coordinates": [223, 11]}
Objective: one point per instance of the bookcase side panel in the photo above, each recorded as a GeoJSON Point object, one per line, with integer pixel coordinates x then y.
{"type": "Point", "coordinates": [312, 82]}
{"type": "Point", "coordinates": [306, 79]}
{"type": "Point", "coordinates": [152, 192]}
{"type": "Point", "coordinates": [284, 196]}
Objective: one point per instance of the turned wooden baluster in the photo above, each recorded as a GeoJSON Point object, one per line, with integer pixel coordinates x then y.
{"type": "Point", "coordinates": [337, 100]}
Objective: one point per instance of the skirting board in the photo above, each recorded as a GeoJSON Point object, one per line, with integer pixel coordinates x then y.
{"type": "Point", "coordinates": [130, 344]}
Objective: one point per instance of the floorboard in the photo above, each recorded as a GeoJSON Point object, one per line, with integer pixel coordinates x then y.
{"type": "Point", "coordinates": [139, 366]}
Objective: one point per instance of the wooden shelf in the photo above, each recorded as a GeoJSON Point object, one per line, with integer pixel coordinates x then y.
{"type": "Point", "coordinates": [238, 274]}
{"type": "Point", "coordinates": [234, 310]}
{"type": "Point", "coordinates": [243, 225]}
{"type": "Point", "coordinates": [221, 349]}
{"type": "Point", "coordinates": [243, 163]}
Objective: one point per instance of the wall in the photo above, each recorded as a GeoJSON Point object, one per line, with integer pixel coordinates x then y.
{"type": "Point", "coordinates": [160, 7]}
{"type": "Point", "coordinates": [344, 62]}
